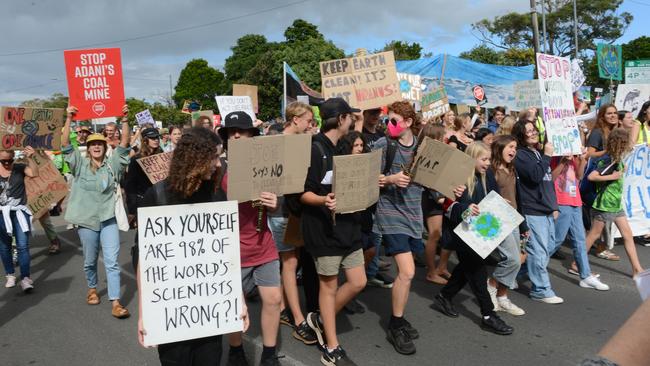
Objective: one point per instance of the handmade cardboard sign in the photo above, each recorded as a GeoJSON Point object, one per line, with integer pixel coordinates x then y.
{"type": "Point", "coordinates": [190, 271]}
{"type": "Point", "coordinates": [630, 97]}
{"type": "Point", "coordinates": [410, 85]}
{"type": "Point", "coordinates": [435, 104]}
{"type": "Point", "coordinates": [190, 106]}
{"type": "Point", "coordinates": [355, 181]}
{"type": "Point", "coordinates": [156, 167]}
{"type": "Point", "coordinates": [145, 117]}
{"type": "Point", "coordinates": [441, 167]}
{"type": "Point", "coordinates": [497, 220]}
{"type": "Point", "coordinates": [610, 61]}
{"type": "Point", "coordinates": [228, 104]}
{"type": "Point", "coordinates": [527, 95]}
{"type": "Point", "coordinates": [365, 82]}
{"type": "Point", "coordinates": [197, 115]}
{"type": "Point", "coordinates": [249, 90]}
{"type": "Point", "coordinates": [276, 164]}
{"type": "Point", "coordinates": [39, 128]}
{"type": "Point", "coordinates": [95, 82]}
{"type": "Point", "coordinates": [558, 111]}
{"type": "Point", "coordinates": [46, 189]}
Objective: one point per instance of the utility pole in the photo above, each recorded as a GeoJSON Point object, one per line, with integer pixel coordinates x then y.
{"type": "Point", "coordinates": [575, 25]}
{"type": "Point", "coordinates": [533, 12]}
{"type": "Point", "coordinates": [544, 39]}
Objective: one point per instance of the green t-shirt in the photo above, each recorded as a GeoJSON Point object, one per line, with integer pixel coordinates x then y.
{"type": "Point", "coordinates": [610, 193]}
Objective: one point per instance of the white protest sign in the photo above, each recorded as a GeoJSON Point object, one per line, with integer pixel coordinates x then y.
{"type": "Point", "coordinates": [486, 231]}
{"type": "Point", "coordinates": [636, 191]}
{"type": "Point", "coordinates": [190, 271]}
{"type": "Point", "coordinates": [410, 85]}
{"type": "Point", "coordinates": [558, 112]}
{"type": "Point", "coordinates": [228, 104]}
{"type": "Point", "coordinates": [527, 95]}
{"type": "Point", "coordinates": [630, 97]}
{"type": "Point", "coordinates": [144, 117]}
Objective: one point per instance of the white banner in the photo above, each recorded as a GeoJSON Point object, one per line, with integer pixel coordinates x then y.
{"type": "Point", "coordinates": [190, 271]}
{"type": "Point", "coordinates": [636, 191]}
{"type": "Point", "coordinates": [228, 104]}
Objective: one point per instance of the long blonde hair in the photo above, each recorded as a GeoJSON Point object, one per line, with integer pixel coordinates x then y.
{"type": "Point", "coordinates": [475, 150]}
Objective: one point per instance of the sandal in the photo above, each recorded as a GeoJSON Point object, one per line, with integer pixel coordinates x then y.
{"type": "Point", "coordinates": [92, 298]}
{"type": "Point", "coordinates": [55, 247]}
{"type": "Point", "coordinates": [119, 311]}
{"type": "Point", "coordinates": [609, 255]}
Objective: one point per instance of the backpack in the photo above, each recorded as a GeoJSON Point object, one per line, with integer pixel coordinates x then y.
{"type": "Point", "coordinates": [589, 190]}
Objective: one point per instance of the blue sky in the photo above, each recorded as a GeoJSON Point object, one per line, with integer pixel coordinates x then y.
{"type": "Point", "coordinates": [36, 25]}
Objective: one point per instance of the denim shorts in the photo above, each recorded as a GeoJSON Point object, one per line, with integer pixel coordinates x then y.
{"type": "Point", "coordinates": [604, 216]}
{"type": "Point", "coordinates": [278, 226]}
{"type": "Point", "coordinates": [265, 275]}
{"type": "Point", "coordinates": [401, 243]}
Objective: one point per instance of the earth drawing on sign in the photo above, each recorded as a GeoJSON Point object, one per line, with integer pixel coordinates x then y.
{"type": "Point", "coordinates": [487, 226]}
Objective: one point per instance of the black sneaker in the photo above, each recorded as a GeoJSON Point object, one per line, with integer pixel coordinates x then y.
{"type": "Point", "coordinates": [354, 307]}
{"type": "Point", "coordinates": [286, 317]}
{"type": "Point", "coordinates": [337, 357]}
{"type": "Point", "coordinates": [304, 333]}
{"type": "Point", "coordinates": [315, 324]}
{"type": "Point", "coordinates": [237, 358]}
{"type": "Point", "coordinates": [445, 306]}
{"type": "Point", "coordinates": [413, 333]}
{"type": "Point", "coordinates": [401, 340]}
{"type": "Point", "coordinates": [495, 325]}
{"type": "Point", "coordinates": [271, 361]}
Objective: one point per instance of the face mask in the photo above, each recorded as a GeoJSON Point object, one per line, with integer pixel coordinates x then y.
{"type": "Point", "coordinates": [394, 128]}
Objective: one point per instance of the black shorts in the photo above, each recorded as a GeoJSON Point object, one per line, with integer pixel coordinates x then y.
{"type": "Point", "coordinates": [430, 206]}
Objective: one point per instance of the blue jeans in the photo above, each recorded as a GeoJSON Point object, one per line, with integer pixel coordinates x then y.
{"type": "Point", "coordinates": [506, 270]}
{"type": "Point", "coordinates": [570, 222]}
{"type": "Point", "coordinates": [109, 236]}
{"type": "Point", "coordinates": [22, 244]}
{"type": "Point", "coordinates": [542, 237]}
{"type": "Point", "coordinates": [373, 266]}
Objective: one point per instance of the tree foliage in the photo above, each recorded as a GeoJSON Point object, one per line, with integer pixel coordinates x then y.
{"type": "Point", "coordinates": [57, 100]}
{"type": "Point", "coordinates": [301, 30]}
{"type": "Point", "coordinates": [201, 82]}
{"type": "Point", "coordinates": [597, 19]}
{"type": "Point", "coordinates": [169, 115]}
{"type": "Point", "coordinates": [636, 49]}
{"type": "Point", "coordinates": [509, 57]}
{"type": "Point", "coordinates": [404, 50]}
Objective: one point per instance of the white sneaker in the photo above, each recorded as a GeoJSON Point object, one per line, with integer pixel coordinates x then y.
{"type": "Point", "coordinates": [11, 281]}
{"type": "Point", "coordinates": [27, 284]}
{"type": "Point", "coordinates": [504, 304]}
{"type": "Point", "coordinates": [549, 300]}
{"type": "Point", "coordinates": [69, 227]}
{"type": "Point", "coordinates": [493, 295]}
{"type": "Point", "coordinates": [593, 282]}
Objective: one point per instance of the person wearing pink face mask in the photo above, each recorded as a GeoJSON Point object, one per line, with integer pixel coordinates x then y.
{"type": "Point", "coordinates": [399, 216]}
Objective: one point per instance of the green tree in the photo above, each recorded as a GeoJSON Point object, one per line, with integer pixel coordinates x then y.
{"type": "Point", "coordinates": [636, 49]}
{"type": "Point", "coordinates": [404, 50]}
{"type": "Point", "coordinates": [301, 30]}
{"type": "Point", "coordinates": [201, 82]}
{"type": "Point", "coordinates": [597, 19]}
{"type": "Point", "coordinates": [245, 55]}
{"type": "Point", "coordinates": [509, 57]}
{"type": "Point", "coordinates": [57, 100]}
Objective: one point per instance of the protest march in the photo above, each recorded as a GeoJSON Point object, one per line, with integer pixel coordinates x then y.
{"type": "Point", "coordinates": [247, 211]}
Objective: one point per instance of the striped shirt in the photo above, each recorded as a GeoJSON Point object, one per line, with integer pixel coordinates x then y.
{"type": "Point", "coordinates": [399, 210]}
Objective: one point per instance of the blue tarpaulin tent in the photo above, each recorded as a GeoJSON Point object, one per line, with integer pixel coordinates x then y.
{"type": "Point", "coordinates": [461, 75]}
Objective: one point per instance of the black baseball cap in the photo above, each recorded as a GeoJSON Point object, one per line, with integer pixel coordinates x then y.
{"type": "Point", "coordinates": [151, 133]}
{"type": "Point", "coordinates": [334, 107]}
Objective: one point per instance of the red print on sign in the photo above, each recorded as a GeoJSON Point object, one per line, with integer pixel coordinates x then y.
{"type": "Point", "coordinates": [95, 82]}
{"type": "Point", "coordinates": [479, 94]}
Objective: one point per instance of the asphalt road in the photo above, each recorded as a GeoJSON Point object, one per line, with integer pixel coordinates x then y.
{"type": "Point", "coordinates": [54, 326]}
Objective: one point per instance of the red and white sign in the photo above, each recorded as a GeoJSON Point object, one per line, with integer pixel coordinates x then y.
{"type": "Point", "coordinates": [479, 94]}
{"type": "Point", "coordinates": [95, 82]}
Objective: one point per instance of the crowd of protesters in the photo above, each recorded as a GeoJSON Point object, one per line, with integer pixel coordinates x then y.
{"type": "Point", "coordinates": [572, 199]}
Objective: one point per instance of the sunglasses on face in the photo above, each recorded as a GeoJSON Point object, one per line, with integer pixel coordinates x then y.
{"type": "Point", "coordinates": [394, 121]}
{"type": "Point", "coordinates": [6, 161]}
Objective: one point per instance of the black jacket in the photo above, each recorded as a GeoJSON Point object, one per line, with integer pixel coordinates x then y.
{"type": "Point", "coordinates": [536, 192]}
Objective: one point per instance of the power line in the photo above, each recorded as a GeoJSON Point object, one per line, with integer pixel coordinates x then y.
{"type": "Point", "coordinates": [157, 34]}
